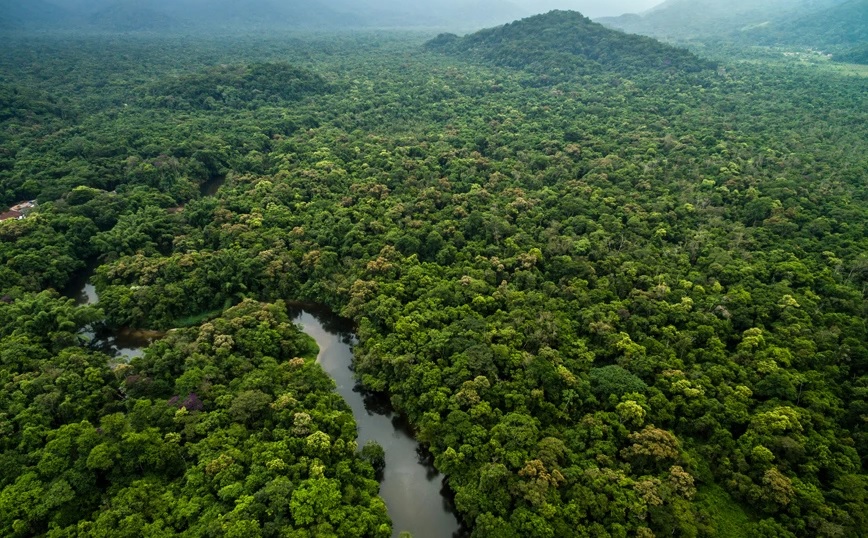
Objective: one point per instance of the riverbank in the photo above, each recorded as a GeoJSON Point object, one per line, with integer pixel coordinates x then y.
{"type": "Point", "coordinates": [416, 497]}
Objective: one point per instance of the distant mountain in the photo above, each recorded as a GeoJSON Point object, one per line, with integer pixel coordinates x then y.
{"type": "Point", "coordinates": [85, 7]}
{"type": "Point", "coordinates": [275, 13]}
{"type": "Point", "coordinates": [565, 43]}
{"type": "Point", "coordinates": [443, 13]}
{"type": "Point", "coordinates": [30, 13]}
{"type": "Point", "coordinates": [838, 26]}
{"type": "Point", "coordinates": [132, 17]}
{"type": "Point", "coordinates": [844, 24]}
{"type": "Point", "coordinates": [169, 15]}
{"type": "Point", "coordinates": [700, 19]}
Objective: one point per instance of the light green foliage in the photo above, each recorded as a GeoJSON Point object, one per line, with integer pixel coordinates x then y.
{"type": "Point", "coordinates": [613, 300]}
{"type": "Point", "coordinates": [194, 443]}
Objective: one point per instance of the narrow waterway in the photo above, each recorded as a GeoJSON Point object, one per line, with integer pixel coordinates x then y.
{"type": "Point", "coordinates": [124, 344]}
{"type": "Point", "coordinates": [417, 500]}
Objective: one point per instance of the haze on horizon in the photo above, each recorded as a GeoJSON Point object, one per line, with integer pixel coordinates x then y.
{"type": "Point", "coordinates": [168, 14]}
{"type": "Point", "coordinates": [590, 8]}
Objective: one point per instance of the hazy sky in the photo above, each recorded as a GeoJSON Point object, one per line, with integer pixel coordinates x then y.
{"type": "Point", "coordinates": [591, 8]}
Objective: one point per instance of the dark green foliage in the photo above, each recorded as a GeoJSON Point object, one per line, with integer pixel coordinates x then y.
{"type": "Point", "coordinates": [239, 86]}
{"type": "Point", "coordinates": [614, 380]}
{"type": "Point", "coordinates": [27, 106]}
{"type": "Point", "coordinates": [373, 453]}
{"type": "Point", "coordinates": [566, 43]}
{"type": "Point", "coordinates": [856, 55]}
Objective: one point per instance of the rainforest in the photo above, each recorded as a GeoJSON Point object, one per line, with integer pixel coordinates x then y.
{"type": "Point", "coordinates": [605, 285]}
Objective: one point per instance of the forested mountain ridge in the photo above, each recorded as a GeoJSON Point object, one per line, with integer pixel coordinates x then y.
{"type": "Point", "coordinates": [565, 43]}
{"type": "Point", "coordinates": [843, 25]}
{"type": "Point", "coordinates": [692, 19]}
{"type": "Point", "coordinates": [614, 302]}
{"type": "Point", "coordinates": [132, 16]}
{"type": "Point", "coordinates": [165, 16]}
{"type": "Point", "coordinates": [16, 14]}
{"type": "Point", "coordinates": [837, 26]}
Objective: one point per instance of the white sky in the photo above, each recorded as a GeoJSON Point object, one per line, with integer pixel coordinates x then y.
{"type": "Point", "coordinates": [590, 8]}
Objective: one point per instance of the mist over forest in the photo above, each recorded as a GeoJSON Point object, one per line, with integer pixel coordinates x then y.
{"type": "Point", "coordinates": [835, 27]}
{"type": "Point", "coordinates": [175, 15]}
{"type": "Point", "coordinates": [838, 26]}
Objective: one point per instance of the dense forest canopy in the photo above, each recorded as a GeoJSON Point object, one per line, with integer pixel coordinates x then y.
{"type": "Point", "coordinates": [616, 289]}
{"type": "Point", "coordinates": [248, 86]}
{"type": "Point", "coordinates": [151, 448]}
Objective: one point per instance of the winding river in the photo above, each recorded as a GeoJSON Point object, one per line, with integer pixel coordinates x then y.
{"type": "Point", "coordinates": [414, 492]}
